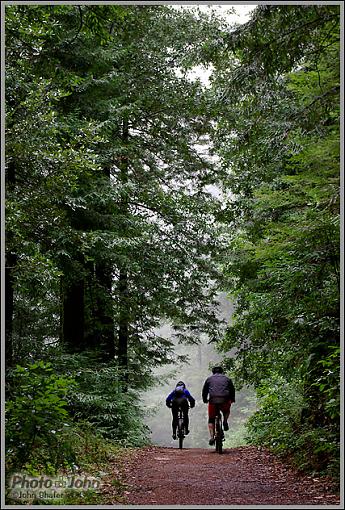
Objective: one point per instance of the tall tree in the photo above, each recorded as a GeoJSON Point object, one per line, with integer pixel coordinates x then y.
{"type": "Point", "coordinates": [278, 137]}
{"type": "Point", "coordinates": [139, 226]}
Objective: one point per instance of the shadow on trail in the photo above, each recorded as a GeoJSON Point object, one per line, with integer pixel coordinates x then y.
{"type": "Point", "coordinates": [212, 451]}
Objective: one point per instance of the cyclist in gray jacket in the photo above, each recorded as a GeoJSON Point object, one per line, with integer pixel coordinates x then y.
{"type": "Point", "coordinates": [218, 389]}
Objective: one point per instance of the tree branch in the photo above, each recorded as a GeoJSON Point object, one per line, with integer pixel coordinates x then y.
{"type": "Point", "coordinates": [80, 27]}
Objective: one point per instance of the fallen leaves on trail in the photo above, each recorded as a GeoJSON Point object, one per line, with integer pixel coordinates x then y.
{"type": "Point", "coordinates": [241, 476]}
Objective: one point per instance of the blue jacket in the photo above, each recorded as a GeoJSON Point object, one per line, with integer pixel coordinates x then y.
{"type": "Point", "coordinates": [186, 394]}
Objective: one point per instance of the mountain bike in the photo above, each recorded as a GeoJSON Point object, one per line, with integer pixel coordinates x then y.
{"type": "Point", "coordinates": [218, 431]}
{"type": "Point", "coordinates": [180, 427]}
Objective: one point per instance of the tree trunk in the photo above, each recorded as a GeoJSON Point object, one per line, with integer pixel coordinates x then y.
{"type": "Point", "coordinates": [10, 264]}
{"type": "Point", "coordinates": [123, 328]}
{"type": "Point", "coordinates": [123, 334]}
{"type": "Point", "coordinates": [11, 261]}
{"type": "Point", "coordinates": [73, 315]}
{"type": "Point", "coordinates": [103, 313]}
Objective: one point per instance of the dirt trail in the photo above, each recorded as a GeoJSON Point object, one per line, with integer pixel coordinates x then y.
{"type": "Point", "coordinates": [240, 476]}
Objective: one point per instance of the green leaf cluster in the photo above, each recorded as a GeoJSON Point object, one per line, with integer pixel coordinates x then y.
{"type": "Point", "coordinates": [279, 142]}
{"type": "Point", "coordinates": [36, 416]}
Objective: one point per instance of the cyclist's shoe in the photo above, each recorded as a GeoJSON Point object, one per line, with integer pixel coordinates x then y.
{"type": "Point", "coordinates": [174, 436]}
{"type": "Point", "coordinates": [225, 425]}
{"type": "Point", "coordinates": [212, 441]}
{"type": "Point", "coordinates": [186, 432]}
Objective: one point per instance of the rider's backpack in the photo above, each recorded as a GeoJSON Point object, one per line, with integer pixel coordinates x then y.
{"type": "Point", "coordinates": [179, 390]}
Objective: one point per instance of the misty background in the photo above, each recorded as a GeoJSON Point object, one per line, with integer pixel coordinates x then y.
{"type": "Point", "coordinates": [203, 356]}
{"type": "Point", "coordinates": [193, 373]}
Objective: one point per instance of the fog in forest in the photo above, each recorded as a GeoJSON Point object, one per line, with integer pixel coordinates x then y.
{"type": "Point", "coordinates": [194, 373]}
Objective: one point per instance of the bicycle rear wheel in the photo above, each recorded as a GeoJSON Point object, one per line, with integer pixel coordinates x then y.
{"type": "Point", "coordinates": [180, 433]}
{"type": "Point", "coordinates": [219, 436]}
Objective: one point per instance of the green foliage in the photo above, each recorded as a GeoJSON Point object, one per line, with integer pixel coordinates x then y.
{"type": "Point", "coordinates": [95, 201]}
{"type": "Point", "coordinates": [99, 398]}
{"type": "Point", "coordinates": [90, 455]}
{"type": "Point", "coordinates": [278, 139]}
{"type": "Point", "coordinates": [103, 182]}
{"type": "Point", "coordinates": [109, 212]}
{"type": "Point", "coordinates": [36, 417]}
{"type": "Point", "coordinates": [279, 416]}
{"type": "Point", "coordinates": [95, 456]}
{"type": "Point", "coordinates": [91, 450]}
{"type": "Point", "coordinates": [281, 424]}
{"type": "Point", "coordinates": [328, 384]}
{"type": "Point", "coordinates": [42, 437]}
{"type": "Point", "coordinates": [322, 390]}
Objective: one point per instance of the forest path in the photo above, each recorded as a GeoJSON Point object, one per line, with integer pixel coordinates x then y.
{"type": "Point", "coordinates": [240, 476]}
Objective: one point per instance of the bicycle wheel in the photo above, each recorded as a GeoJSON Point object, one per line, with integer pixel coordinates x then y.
{"type": "Point", "coordinates": [180, 433]}
{"type": "Point", "coordinates": [219, 435]}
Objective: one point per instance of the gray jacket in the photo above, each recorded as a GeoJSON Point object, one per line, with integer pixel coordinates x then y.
{"type": "Point", "coordinates": [219, 388]}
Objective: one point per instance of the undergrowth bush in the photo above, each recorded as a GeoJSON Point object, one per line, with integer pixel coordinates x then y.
{"type": "Point", "coordinates": [48, 413]}
{"type": "Point", "coordinates": [280, 425]}
{"type": "Point", "coordinates": [91, 456]}
{"type": "Point", "coordinates": [99, 398]}
{"type": "Point", "coordinates": [37, 418]}
{"type": "Point", "coordinates": [42, 437]}
{"type": "Point", "coordinates": [73, 417]}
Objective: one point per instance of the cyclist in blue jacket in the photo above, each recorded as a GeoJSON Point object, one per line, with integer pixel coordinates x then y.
{"type": "Point", "coordinates": [180, 397]}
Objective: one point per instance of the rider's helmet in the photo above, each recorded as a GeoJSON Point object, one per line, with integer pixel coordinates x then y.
{"type": "Point", "coordinates": [217, 370]}
{"type": "Point", "coordinates": [181, 383]}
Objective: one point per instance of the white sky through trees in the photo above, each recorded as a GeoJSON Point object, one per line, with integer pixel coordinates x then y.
{"type": "Point", "coordinates": [232, 13]}
{"type": "Point", "coordinates": [241, 15]}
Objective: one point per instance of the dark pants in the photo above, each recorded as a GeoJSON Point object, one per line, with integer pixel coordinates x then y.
{"type": "Point", "coordinates": [176, 403]}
